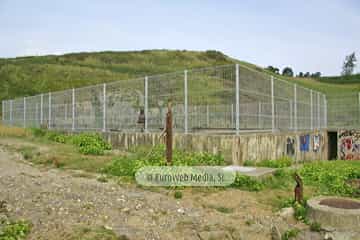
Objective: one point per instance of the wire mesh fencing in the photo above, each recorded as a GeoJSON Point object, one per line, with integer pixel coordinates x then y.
{"type": "Point", "coordinates": [344, 111]}
{"type": "Point", "coordinates": [226, 99]}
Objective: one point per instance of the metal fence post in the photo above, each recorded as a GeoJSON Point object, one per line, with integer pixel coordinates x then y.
{"type": "Point", "coordinates": [311, 110]}
{"type": "Point", "coordinates": [104, 107]}
{"type": "Point", "coordinates": [232, 115]}
{"type": "Point", "coordinates": [73, 110]}
{"type": "Point", "coordinates": [295, 108]}
{"type": "Point", "coordinates": [359, 107]}
{"type": "Point", "coordinates": [207, 116]}
{"type": "Point", "coordinates": [291, 114]}
{"type": "Point", "coordinates": [3, 111]}
{"type": "Point", "coordinates": [24, 108]}
{"type": "Point", "coordinates": [11, 112]}
{"type": "Point", "coordinates": [259, 114]}
{"type": "Point", "coordinates": [325, 111]}
{"type": "Point", "coordinates": [146, 104]}
{"type": "Point", "coordinates": [41, 108]}
{"type": "Point", "coordinates": [49, 124]}
{"type": "Point", "coordinates": [318, 112]}
{"type": "Point", "coordinates": [186, 102]}
{"type": "Point", "coordinates": [272, 105]}
{"type": "Point", "coordinates": [237, 95]}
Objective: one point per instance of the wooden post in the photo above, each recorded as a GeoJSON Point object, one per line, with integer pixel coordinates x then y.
{"type": "Point", "coordinates": [169, 140]}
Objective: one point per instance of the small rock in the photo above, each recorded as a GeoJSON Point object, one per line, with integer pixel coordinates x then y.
{"type": "Point", "coordinates": [108, 228]}
{"type": "Point", "coordinates": [328, 236]}
{"type": "Point", "coordinates": [286, 212]}
{"type": "Point", "coordinates": [181, 210]}
{"type": "Point", "coordinates": [126, 210]}
{"type": "Point", "coordinates": [138, 206]}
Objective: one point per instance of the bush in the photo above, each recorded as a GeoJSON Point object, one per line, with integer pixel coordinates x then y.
{"type": "Point", "coordinates": [278, 163]}
{"type": "Point", "coordinates": [300, 212]}
{"type": "Point", "coordinates": [331, 177]}
{"type": "Point", "coordinates": [38, 132]}
{"type": "Point", "coordinates": [90, 143]}
{"type": "Point", "coordinates": [247, 183]}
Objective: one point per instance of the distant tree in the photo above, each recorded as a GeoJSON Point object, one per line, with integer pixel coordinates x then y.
{"type": "Point", "coordinates": [307, 74]}
{"type": "Point", "coordinates": [316, 75]}
{"type": "Point", "coordinates": [349, 64]}
{"type": "Point", "coordinates": [301, 74]}
{"type": "Point", "coordinates": [287, 71]}
{"type": "Point", "coordinates": [273, 69]}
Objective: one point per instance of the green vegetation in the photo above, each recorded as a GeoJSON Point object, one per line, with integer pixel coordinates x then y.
{"type": "Point", "coordinates": [25, 76]}
{"type": "Point", "coordinates": [129, 164]}
{"type": "Point", "coordinates": [332, 177]}
{"type": "Point", "coordinates": [278, 163]}
{"type": "Point", "coordinates": [347, 79]}
{"type": "Point", "coordinates": [14, 230]}
{"type": "Point", "coordinates": [178, 194]}
{"type": "Point", "coordinates": [87, 143]}
{"type": "Point", "coordinates": [315, 227]}
{"type": "Point", "coordinates": [290, 234]}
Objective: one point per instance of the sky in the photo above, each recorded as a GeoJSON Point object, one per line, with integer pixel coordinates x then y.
{"type": "Point", "coordinates": [305, 35]}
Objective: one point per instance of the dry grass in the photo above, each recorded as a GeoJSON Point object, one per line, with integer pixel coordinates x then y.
{"type": "Point", "coordinates": [6, 131]}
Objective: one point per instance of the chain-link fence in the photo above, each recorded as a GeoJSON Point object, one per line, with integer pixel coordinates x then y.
{"type": "Point", "coordinates": [227, 99]}
{"type": "Point", "coordinates": [344, 111]}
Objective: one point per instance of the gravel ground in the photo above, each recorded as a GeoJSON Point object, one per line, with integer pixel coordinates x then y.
{"type": "Point", "coordinates": [57, 203]}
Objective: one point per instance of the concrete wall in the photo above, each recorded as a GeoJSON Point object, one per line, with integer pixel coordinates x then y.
{"type": "Point", "coordinates": [235, 149]}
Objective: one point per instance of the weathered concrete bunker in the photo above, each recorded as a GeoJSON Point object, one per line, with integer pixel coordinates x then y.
{"type": "Point", "coordinates": [301, 146]}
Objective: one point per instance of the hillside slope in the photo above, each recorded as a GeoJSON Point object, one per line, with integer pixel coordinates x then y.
{"type": "Point", "coordinates": [25, 76]}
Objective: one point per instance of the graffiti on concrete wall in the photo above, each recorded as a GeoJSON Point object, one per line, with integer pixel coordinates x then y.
{"type": "Point", "coordinates": [290, 146]}
{"type": "Point", "coordinates": [304, 143]}
{"type": "Point", "coordinates": [349, 144]}
{"type": "Point", "coordinates": [316, 142]}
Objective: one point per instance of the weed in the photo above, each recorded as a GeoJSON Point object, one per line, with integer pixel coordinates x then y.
{"type": "Point", "coordinates": [102, 179]}
{"type": "Point", "coordinates": [290, 234]}
{"type": "Point", "coordinates": [178, 194]}
{"type": "Point", "coordinates": [278, 163]}
{"type": "Point", "coordinates": [247, 183]}
{"type": "Point", "coordinates": [27, 152]}
{"type": "Point", "coordinates": [14, 230]}
{"type": "Point", "coordinates": [315, 227]}
{"type": "Point", "coordinates": [224, 209]}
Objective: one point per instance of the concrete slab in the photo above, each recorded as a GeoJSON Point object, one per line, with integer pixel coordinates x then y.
{"type": "Point", "coordinates": [257, 172]}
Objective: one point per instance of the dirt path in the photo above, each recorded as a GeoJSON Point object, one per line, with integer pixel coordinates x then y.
{"type": "Point", "coordinates": [57, 203]}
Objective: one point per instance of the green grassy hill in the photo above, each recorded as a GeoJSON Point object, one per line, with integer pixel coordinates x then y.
{"type": "Point", "coordinates": [24, 76]}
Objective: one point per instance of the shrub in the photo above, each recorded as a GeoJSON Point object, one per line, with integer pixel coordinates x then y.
{"type": "Point", "coordinates": [278, 163]}
{"type": "Point", "coordinates": [300, 211]}
{"type": "Point", "coordinates": [38, 132]}
{"type": "Point", "coordinates": [315, 227]}
{"type": "Point", "coordinates": [331, 177]}
{"type": "Point", "coordinates": [90, 143]}
{"type": "Point", "coordinates": [247, 183]}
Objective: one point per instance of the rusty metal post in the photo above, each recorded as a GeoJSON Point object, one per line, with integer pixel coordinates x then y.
{"type": "Point", "coordinates": [169, 140]}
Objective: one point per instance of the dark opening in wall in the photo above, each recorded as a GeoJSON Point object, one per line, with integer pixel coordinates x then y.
{"type": "Point", "coordinates": [333, 145]}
